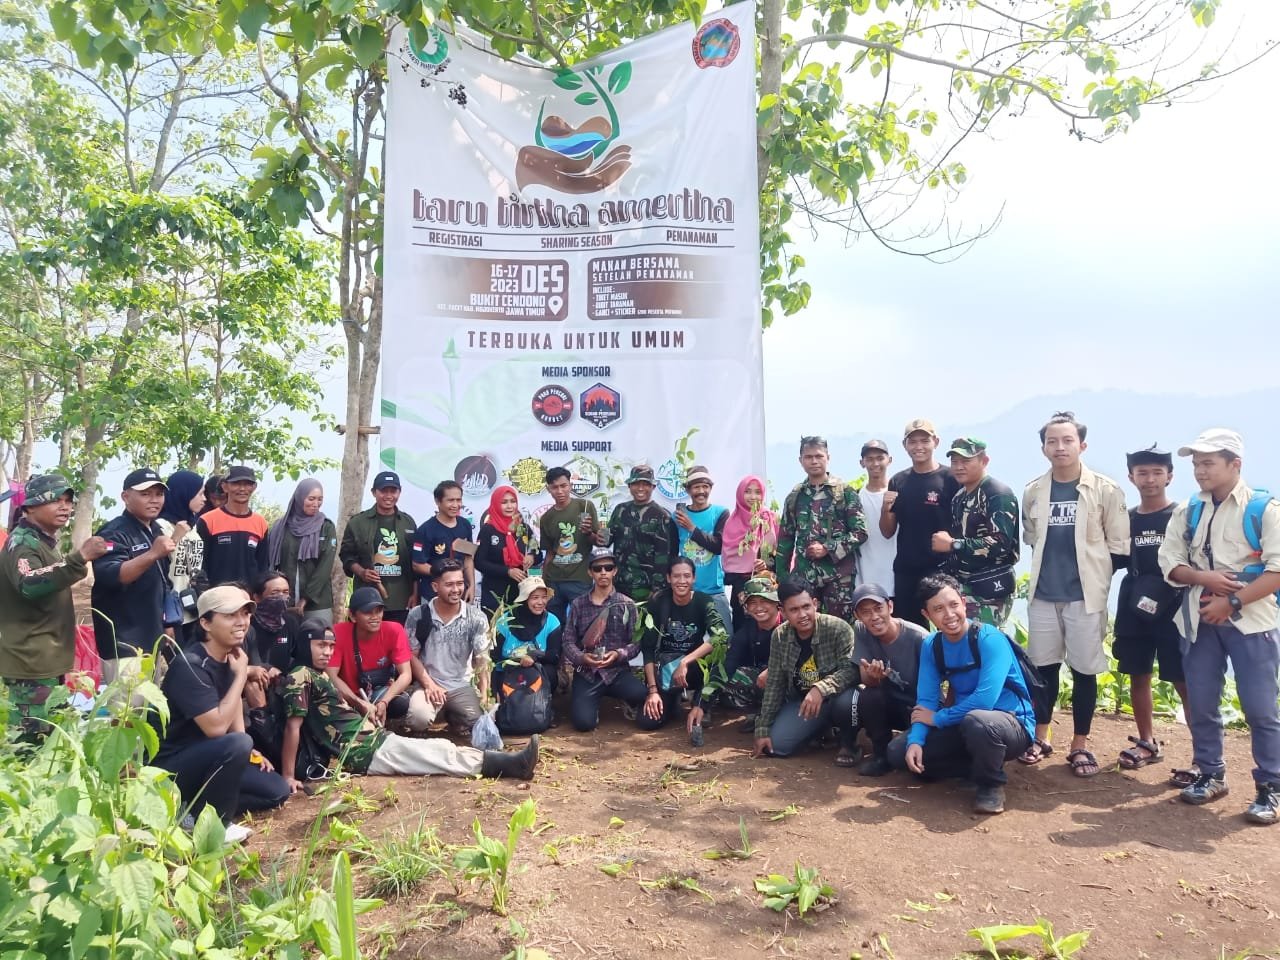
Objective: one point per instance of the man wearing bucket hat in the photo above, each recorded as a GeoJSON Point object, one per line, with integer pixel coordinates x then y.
{"type": "Point", "coordinates": [701, 529]}
{"type": "Point", "coordinates": [643, 536]}
{"type": "Point", "coordinates": [1226, 550]}
{"type": "Point", "coordinates": [37, 618]}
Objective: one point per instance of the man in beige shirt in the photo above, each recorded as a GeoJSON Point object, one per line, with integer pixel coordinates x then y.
{"type": "Point", "coordinates": [1224, 544]}
{"type": "Point", "coordinates": [1076, 523]}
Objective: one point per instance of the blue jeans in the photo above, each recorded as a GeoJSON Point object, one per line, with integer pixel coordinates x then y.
{"type": "Point", "coordinates": [565, 593]}
{"type": "Point", "coordinates": [790, 731]}
{"type": "Point", "coordinates": [588, 690]}
{"type": "Point", "coordinates": [1255, 658]}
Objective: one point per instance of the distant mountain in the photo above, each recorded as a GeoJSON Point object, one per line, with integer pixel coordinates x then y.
{"type": "Point", "coordinates": [1117, 421]}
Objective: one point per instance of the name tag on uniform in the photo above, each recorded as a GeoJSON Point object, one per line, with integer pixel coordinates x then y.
{"type": "Point", "coordinates": [136, 548]}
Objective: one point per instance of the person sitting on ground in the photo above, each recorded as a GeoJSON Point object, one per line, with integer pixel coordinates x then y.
{"type": "Point", "coordinates": [363, 746]}
{"type": "Point", "coordinates": [598, 642]}
{"type": "Point", "coordinates": [302, 545]}
{"type": "Point", "coordinates": [679, 632]}
{"type": "Point", "coordinates": [373, 666]}
{"type": "Point", "coordinates": [453, 649]}
{"type": "Point", "coordinates": [505, 552]}
{"type": "Point", "coordinates": [746, 665]}
{"type": "Point", "coordinates": [990, 719]}
{"type": "Point", "coordinates": [273, 626]}
{"type": "Point", "coordinates": [529, 634]}
{"type": "Point", "coordinates": [205, 745]}
{"type": "Point", "coordinates": [810, 674]}
{"type": "Point", "coordinates": [886, 654]}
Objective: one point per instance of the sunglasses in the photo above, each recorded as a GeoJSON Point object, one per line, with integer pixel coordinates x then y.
{"type": "Point", "coordinates": [604, 568]}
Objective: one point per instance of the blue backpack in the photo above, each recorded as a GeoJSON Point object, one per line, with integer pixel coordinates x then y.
{"type": "Point", "coordinates": [1253, 511]}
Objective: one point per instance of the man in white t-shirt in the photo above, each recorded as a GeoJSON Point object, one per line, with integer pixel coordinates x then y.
{"type": "Point", "coordinates": [875, 559]}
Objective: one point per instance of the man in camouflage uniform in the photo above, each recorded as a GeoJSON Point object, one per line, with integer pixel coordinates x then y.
{"type": "Point", "coordinates": [644, 538]}
{"type": "Point", "coordinates": [37, 618]}
{"type": "Point", "coordinates": [983, 540]}
{"type": "Point", "coordinates": [821, 529]}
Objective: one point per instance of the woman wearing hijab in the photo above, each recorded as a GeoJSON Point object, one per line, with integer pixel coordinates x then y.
{"type": "Point", "coordinates": [302, 545]}
{"type": "Point", "coordinates": [529, 635]}
{"type": "Point", "coordinates": [183, 501]}
{"type": "Point", "coordinates": [506, 550]}
{"type": "Point", "coordinates": [750, 539]}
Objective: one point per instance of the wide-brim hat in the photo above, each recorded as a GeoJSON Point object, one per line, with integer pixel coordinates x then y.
{"type": "Point", "coordinates": [530, 584]}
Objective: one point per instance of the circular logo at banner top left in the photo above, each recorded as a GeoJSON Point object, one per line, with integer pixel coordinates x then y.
{"type": "Point", "coordinates": [477, 475]}
{"type": "Point", "coordinates": [552, 405]}
{"type": "Point", "coordinates": [528, 475]}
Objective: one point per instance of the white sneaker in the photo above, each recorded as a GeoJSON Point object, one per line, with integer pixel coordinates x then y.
{"type": "Point", "coordinates": [237, 833]}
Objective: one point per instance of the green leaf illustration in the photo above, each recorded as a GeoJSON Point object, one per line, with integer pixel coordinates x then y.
{"type": "Point", "coordinates": [495, 407]}
{"type": "Point", "coordinates": [586, 98]}
{"type": "Point", "coordinates": [619, 77]}
{"type": "Point", "coordinates": [567, 80]}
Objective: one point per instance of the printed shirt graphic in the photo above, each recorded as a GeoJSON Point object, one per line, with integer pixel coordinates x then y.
{"type": "Point", "coordinates": [386, 556]}
{"type": "Point", "coordinates": [1059, 580]}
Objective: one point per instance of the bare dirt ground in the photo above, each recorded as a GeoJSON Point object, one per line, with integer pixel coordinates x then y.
{"type": "Point", "coordinates": [914, 870]}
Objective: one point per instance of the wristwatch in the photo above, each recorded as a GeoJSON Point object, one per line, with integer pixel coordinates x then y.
{"type": "Point", "coordinates": [955, 545]}
{"type": "Point", "coordinates": [1236, 605]}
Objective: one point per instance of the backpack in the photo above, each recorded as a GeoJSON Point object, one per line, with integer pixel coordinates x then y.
{"type": "Point", "coordinates": [1252, 522]}
{"type": "Point", "coordinates": [1030, 675]}
{"type": "Point", "coordinates": [524, 701]}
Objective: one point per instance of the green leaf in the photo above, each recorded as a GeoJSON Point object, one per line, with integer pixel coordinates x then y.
{"type": "Point", "coordinates": [253, 17]}
{"type": "Point", "coordinates": [86, 929]}
{"type": "Point", "coordinates": [568, 80]}
{"type": "Point", "coordinates": [366, 43]}
{"type": "Point", "coordinates": [586, 98]}
{"type": "Point", "coordinates": [209, 835]}
{"type": "Point", "coordinates": [344, 894]}
{"type": "Point", "coordinates": [619, 77]}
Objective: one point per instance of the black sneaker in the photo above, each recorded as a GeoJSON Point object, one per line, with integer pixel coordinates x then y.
{"type": "Point", "coordinates": [1206, 788]}
{"type": "Point", "coordinates": [1265, 808]}
{"type": "Point", "coordinates": [989, 800]}
{"type": "Point", "coordinates": [874, 767]}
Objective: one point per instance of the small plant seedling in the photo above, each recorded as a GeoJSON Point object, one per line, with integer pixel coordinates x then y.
{"type": "Point", "coordinates": [615, 869]}
{"type": "Point", "coordinates": [616, 823]}
{"type": "Point", "coordinates": [673, 881]}
{"type": "Point", "coordinates": [743, 851]}
{"type": "Point", "coordinates": [805, 889]}
{"type": "Point", "coordinates": [402, 863]}
{"type": "Point", "coordinates": [790, 810]}
{"type": "Point", "coordinates": [489, 861]}
{"type": "Point", "coordinates": [552, 853]}
{"type": "Point", "coordinates": [1060, 948]}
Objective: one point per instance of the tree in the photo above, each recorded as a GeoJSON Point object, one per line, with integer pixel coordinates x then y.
{"type": "Point", "coordinates": [842, 139]}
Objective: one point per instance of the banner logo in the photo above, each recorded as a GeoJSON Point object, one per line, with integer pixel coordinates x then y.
{"type": "Point", "coordinates": [476, 475]}
{"type": "Point", "coordinates": [716, 44]}
{"type": "Point", "coordinates": [528, 475]}
{"type": "Point", "coordinates": [552, 405]}
{"type": "Point", "coordinates": [582, 158]}
{"type": "Point", "coordinates": [433, 57]}
{"type": "Point", "coordinates": [584, 476]}
{"type": "Point", "coordinates": [600, 405]}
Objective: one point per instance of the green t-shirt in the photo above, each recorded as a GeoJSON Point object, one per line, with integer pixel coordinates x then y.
{"type": "Point", "coordinates": [312, 695]}
{"type": "Point", "coordinates": [567, 548]}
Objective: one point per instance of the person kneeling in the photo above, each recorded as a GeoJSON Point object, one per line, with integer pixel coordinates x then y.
{"type": "Point", "coordinates": [990, 719]}
{"type": "Point", "coordinates": [362, 745]}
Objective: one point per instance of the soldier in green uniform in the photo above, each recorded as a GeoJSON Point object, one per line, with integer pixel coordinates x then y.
{"type": "Point", "coordinates": [644, 538]}
{"type": "Point", "coordinates": [822, 527]}
{"type": "Point", "coordinates": [983, 540]}
{"type": "Point", "coordinates": [37, 619]}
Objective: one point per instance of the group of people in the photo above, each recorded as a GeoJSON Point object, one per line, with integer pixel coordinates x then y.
{"type": "Point", "coordinates": [870, 611]}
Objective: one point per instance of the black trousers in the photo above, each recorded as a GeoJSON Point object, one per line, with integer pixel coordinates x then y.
{"type": "Point", "coordinates": [216, 772]}
{"type": "Point", "coordinates": [879, 714]}
{"type": "Point", "coordinates": [978, 747]}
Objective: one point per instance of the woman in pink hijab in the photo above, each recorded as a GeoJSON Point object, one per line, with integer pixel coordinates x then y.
{"type": "Point", "coordinates": [750, 540]}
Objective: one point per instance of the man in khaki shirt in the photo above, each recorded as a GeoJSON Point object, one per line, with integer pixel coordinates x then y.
{"type": "Point", "coordinates": [1229, 612]}
{"type": "Point", "coordinates": [1075, 522]}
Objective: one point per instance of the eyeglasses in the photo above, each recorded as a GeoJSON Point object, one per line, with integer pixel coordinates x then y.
{"type": "Point", "coordinates": [604, 568]}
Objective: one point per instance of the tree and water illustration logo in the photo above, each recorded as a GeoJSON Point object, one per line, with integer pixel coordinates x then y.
{"type": "Point", "coordinates": [581, 158]}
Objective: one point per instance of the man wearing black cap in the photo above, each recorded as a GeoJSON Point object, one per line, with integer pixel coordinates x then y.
{"type": "Point", "coordinates": [37, 618]}
{"type": "Point", "coordinates": [644, 538]}
{"type": "Point", "coordinates": [875, 557]}
{"type": "Point", "coordinates": [1144, 627]}
{"type": "Point", "coordinates": [235, 537]}
{"type": "Point", "coordinates": [377, 548]}
{"type": "Point", "coordinates": [982, 544]}
{"type": "Point", "coordinates": [131, 580]}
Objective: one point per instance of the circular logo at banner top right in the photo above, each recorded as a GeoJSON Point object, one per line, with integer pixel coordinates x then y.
{"type": "Point", "coordinates": [716, 44]}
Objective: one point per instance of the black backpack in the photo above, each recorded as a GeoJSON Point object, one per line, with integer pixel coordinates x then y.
{"type": "Point", "coordinates": [524, 701]}
{"type": "Point", "coordinates": [1030, 675]}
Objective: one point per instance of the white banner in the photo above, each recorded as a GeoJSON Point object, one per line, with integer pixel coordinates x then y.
{"type": "Point", "coordinates": [572, 266]}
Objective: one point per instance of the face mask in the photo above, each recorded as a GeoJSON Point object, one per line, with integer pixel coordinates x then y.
{"type": "Point", "coordinates": [270, 612]}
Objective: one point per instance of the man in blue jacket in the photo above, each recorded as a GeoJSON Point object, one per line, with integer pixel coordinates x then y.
{"type": "Point", "coordinates": [988, 719]}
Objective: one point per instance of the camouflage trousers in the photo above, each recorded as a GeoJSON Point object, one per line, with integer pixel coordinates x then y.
{"type": "Point", "coordinates": [995, 612]}
{"type": "Point", "coordinates": [835, 597]}
{"type": "Point", "coordinates": [27, 699]}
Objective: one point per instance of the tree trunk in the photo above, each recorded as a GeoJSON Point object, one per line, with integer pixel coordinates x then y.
{"type": "Point", "coordinates": [770, 78]}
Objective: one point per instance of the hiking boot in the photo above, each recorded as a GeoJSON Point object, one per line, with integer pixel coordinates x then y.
{"type": "Point", "coordinates": [517, 766]}
{"type": "Point", "coordinates": [1207, 787]}
{"type": "Point", "coordinates": [989, 800]}
{"type": "Point", "coordinates": [874, 767]}
{"type": "Point", "coordinates": [695, 735]}
{"type": "Point", "coordinates": [1265, 808]}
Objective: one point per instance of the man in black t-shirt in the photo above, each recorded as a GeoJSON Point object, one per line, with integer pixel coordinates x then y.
{"type": "Point", "coordinates": [205, 745]}
{"type": "Point", "coordinates": [1144, 626]}
{"type": "Point", "coordinates": [917, 505]}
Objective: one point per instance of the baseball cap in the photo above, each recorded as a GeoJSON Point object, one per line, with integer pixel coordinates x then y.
{"type": "Point", "coordinates": [600, 553]}
{"type": "Point", "coordinates": [967, 447]}
{"type": "Point", "coordinates": [640, 473]}
{"type": "Point", "coordinates": [870, 591]}
{"type": "Point", "coordinates": [143, 478]}
{"type": "Point", "coordinates": [239, 474]}
{"type": "Point", "coordinates": [1215, 440]}
{"type": "Point", "coordinates": [311, 629]}
{"type": "Point", "coordinates": [364, 599]}
{"type": "Point", "coordinates": [1150, 456]}
{"type": "Point", "coordinates": [696, 473]}
{"type": "Point", "coordinates": [46, 488]}
{"type": "Point", "coordinates": [914, 426]}
{"type": "Point", "coordinates": [761, 587]}
{"type": "Point", "coordinates": [871, 445]}
{"type": "Point", "coordinates": [387, 478]}
{"type": "Point", "coordinates": [224, 599]}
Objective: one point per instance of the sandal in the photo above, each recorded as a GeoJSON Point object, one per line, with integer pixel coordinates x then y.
{"type": "Point", "coordinates": [1038, 750]}
{"type": "Point", "coordinates": [1181, 779]}
{"type": "Point", "coordinates": [1081, 761]}
{"type": "Point", "coordinates": [845, 758]}
{"type": "Point", "coordinates": [1141, 753]}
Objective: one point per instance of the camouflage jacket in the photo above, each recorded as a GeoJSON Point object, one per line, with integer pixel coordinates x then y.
{"type": "Point", "coordinates": [337, 729]}
{"type": "Point", "coordinates": [645, 540]}
{"type": "Point", "coordinates": [985, 526]}
{"type": "Point", "coordinates": [830, 514]}
{"type": "Point", "coordinates": [37, 619]}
